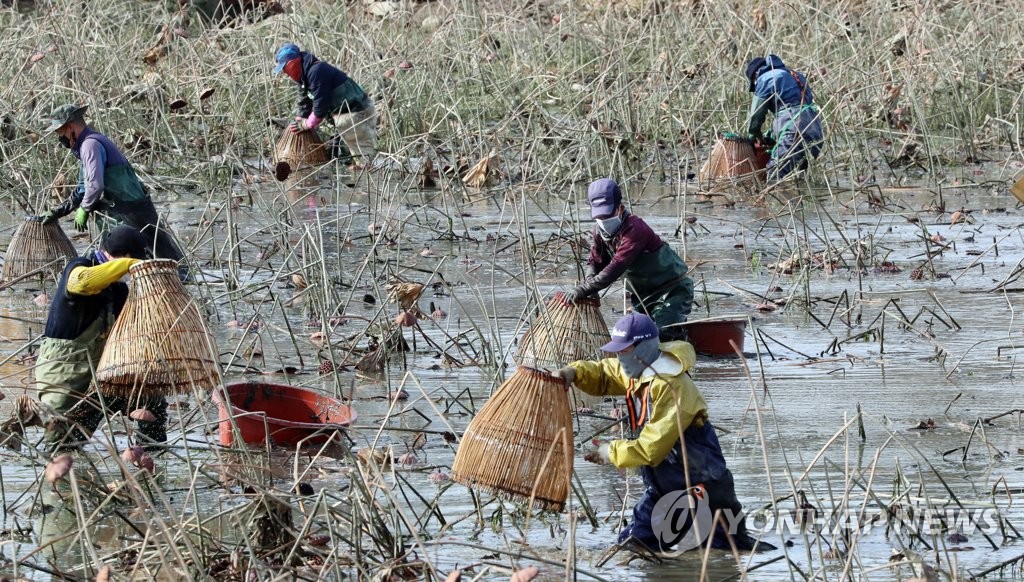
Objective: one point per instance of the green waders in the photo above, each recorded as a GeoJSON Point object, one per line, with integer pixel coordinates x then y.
{"type": "Point", "coordinates": [64, 376]}
{"type": "Point", "coordinates": [661, 288]}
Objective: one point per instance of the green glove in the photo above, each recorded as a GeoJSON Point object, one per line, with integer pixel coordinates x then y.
{"type": "Point", "coordinates": [46, 217]}
{"type": "Point", "coordinates": [81, 220]}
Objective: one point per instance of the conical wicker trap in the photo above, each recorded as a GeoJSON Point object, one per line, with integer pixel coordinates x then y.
{"type": "Point", "coordinates": [36, 246]}
{"type": "Point", "coordinates": [520, 443]}
{"type": "Point", "coordinates": [300, 149]}
{"type": "Point", "coordinates": [564, 332]}
{"type": "Point", "coordinates": [733, 160]}
{"type": "Point", "coordinates": [160, 343]}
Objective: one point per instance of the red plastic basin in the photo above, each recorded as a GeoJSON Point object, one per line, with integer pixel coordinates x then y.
{"type": "Point", "coordinates": [290, 414]}
{"type": "Point", "coordinates": [711, 338]}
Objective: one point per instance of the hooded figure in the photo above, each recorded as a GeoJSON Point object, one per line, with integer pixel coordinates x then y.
{"type": "Point", "coordinates": [86, 303]}
{"type": "Point", "coordinates": [108, 187]}
{"type": "Point", "coordinates": [672, 441]}
{"type": "Point", "coordinates": [796, 127]}
{"type": "Point", "coordinates": [624, 245]}
{"type": "Point", "coordinates": [327, 92]}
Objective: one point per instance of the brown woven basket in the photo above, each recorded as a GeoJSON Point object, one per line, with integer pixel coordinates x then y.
{"type": "Point", "coordinates": [520, 445]}
{"type": "Point", "coordinates": [564, 332]}
{"type": "Point", "coordinates": [731, 161]}
{"type": "Point", "coordinates": [37, 247]}
{"type": "Point", "coordinates": [160, 343]}
{"type": "Point", "coordinates": [305, 148]}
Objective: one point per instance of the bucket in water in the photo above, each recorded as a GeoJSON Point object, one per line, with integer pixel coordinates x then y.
{"type": "Point", "coordinates": [278, 413]}
{"type": "Point", "coordinates": [712, 337]}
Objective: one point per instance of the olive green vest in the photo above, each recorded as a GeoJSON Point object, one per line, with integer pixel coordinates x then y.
{"type": "Point", "coordinates": [120, 184]}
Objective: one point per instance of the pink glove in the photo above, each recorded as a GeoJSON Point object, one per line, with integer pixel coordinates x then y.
{"type": "Point", "coordinates": [304, 124]}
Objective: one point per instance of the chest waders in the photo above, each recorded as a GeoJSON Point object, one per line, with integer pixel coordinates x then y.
{"type": "Point", "coordinates": [64, 371]}
{"type": "Point", "coordinates": [661, 288]}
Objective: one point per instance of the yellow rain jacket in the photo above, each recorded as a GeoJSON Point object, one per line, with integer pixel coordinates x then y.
{"type": "Point", "coordinates": [663, 403]}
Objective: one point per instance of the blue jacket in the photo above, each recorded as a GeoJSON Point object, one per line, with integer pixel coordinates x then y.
{"type": "Point", "coordinates": [326, 90]}
{"type": "Point", "coordinates": [781, 87]}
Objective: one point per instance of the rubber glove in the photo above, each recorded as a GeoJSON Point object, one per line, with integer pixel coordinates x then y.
{"type": "Point", "coordinates": [567, 374]}
{"type": "Point", "coordinates": [576, 294]}
{"type": "Point", "coordinates": [81, 220]}
{"type": "Point", "coordinates": [600, 456]}
{"type": "Point", "coordinates": [45, 218]}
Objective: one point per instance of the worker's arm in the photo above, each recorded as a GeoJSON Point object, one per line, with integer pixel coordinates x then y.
{"type": "Point", "coordinates": [94, 160]}
{"type": "Point", "coordinates": [636, 236]}
{"type": "Point", "coordinates": [93, 280]}
{"type": "Point", "coordinates": [756, 116]}
{"type": "Point", "coordinates": [600, 378]}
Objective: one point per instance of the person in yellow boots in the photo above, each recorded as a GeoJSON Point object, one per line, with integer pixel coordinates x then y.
{"type": "Point", "coordinates": [673, 442]}
{"type": "Point", "coordinates": [87, 301]}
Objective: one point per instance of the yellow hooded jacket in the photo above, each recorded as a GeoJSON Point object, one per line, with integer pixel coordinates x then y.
{"type": "Point", "coordinates": [669, 402]}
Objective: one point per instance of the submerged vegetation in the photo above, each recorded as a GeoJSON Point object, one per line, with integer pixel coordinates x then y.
{"type": "Point", "coordinates": [886, 279]}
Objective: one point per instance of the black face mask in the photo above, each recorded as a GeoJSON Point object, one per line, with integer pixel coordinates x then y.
{"type": "Point", "coordinates": [64, 141]}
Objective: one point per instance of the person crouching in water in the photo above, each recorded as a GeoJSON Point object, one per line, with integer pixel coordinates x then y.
{"type": "Point", "coordinates": [796, 127]}
{"type": "Point", "coordinates": [663, 402]}
{"type": "Point", "coordinates": [327, 92]}
{"type": "Point", "coordinates": [86, 303]}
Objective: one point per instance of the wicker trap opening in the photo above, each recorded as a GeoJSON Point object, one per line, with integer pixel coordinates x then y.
{"type": "Point", "coordinates": [37, 247]}
{"type": "Point", "coordinates": [564, 332]}
{"type": "Point", "coordinates": [520, 443]}
{"type": "Point", "coordinates": [160, 343]}
{"type": "Point", "coordinates": [302, 149]}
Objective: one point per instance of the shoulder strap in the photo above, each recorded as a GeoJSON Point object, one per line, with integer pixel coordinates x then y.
{"type": "Point", "coordinates": [799, 83]}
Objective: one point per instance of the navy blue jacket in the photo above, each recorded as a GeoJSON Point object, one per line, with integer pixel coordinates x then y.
{"type": "Point", "coordinates": [70, 315]}
{"type": "Point", "coordinates": [319, 86]}
{"type": "Point", "coordinates": [780, 87]}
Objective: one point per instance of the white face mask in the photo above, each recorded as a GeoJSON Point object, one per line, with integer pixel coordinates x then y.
{"type": "Point", "coordinates": [609, 226]}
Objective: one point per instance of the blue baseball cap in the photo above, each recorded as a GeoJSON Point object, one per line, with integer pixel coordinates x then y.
{"type": "Point", "coordinates": [632, 328]}
{"type": "Point", "coordinates": [284, 54]}
{"type": "Point", "coordinates": [604, 196]}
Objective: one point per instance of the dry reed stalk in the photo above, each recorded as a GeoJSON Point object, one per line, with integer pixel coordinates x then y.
{"type": "Point", "coordinates": [515, 446]}
{"type": "Point", "coordinates": [160, 343]}
{"type": "Point", "coordinates": [36, 245]}
{"type": "Point", "coordinates": [301, 149]}
{"type": "Point", "coordinates": [733, 162]}
{"type": "Point", "coordinates": [564, 332]}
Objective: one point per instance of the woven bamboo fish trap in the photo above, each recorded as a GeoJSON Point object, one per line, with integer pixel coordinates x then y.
{"type": "Point", "coordinates": [733, 161]}
{"type": "Point", "coordinates": [160, 343]}
{"type": "Point", "coordinates": [564, 332]}
{"type": "Point", "coordinates": [519, 446]}
{"type": "Point", "coordinates": [37, 247]}
{"type": "Point", "coordinates": [299, 150]}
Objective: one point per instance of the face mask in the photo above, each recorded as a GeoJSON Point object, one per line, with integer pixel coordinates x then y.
{"type": "Point", "coordinates": [609, 226]}
{"type": "Point", "coordinates": [64, 141]}
{"type": "Point", "coordinates": [293, 69]}
{"type": "Point", "coordinates": [644, 354]}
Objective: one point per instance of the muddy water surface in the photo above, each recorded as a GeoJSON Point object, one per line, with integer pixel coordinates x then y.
{"type": "Point", "coordinates": [847, 325]}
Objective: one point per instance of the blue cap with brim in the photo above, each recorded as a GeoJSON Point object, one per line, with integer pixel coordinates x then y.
{"type": "Point", "coordinates": [284, 54]}
{"type": "Point", "coordinates": [604, 196]}
{"type": "Point", "coordinates": [632, 328]}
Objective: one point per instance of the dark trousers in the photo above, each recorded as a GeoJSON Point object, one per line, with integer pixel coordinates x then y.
{"type": "Point", "coordinates": [667, 478]}
{"type": "Point", "coordinates": [86, 415]}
